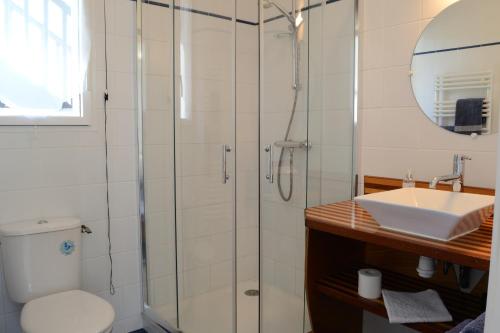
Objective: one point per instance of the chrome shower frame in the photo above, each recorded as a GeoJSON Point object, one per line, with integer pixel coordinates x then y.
{"type": "Point", "coordinates": [152, 321]}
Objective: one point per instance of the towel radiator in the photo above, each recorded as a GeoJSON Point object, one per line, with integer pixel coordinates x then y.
{"type": "Point", "coordinates": [451, 87]}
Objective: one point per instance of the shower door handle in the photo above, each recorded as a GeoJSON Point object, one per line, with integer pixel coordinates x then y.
{"type": "Point", "coordinates": [269, 176]}
{"type": "Point", "coordinates": [225, 149]}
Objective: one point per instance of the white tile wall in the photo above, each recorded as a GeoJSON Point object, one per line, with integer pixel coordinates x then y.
{"type": "Point", "coordinates": [389, 31]}
{"type": "Point", "coordinates": [60, 171]}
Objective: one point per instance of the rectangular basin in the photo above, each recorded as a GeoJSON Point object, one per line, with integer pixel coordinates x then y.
{"type": "Point", "coordinates": [435, 214]}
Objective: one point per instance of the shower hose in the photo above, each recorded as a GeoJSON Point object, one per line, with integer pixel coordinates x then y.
{"type": "Point", "coordinates": [287, 196]}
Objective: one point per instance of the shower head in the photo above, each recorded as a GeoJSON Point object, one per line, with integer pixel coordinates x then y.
{"type": "Point", "coordinates": [293, 21]}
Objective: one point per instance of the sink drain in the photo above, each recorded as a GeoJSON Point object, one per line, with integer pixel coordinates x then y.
{"type": "Point", "coordinates": [252, 292]}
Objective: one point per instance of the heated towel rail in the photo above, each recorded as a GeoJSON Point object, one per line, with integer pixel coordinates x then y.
{"type": "Point", "coordinates": [451, 87]}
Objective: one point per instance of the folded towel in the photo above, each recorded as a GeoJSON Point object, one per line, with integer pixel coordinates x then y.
{"type": "Point", "coordinates": [460, 327]}
{"type": "Point", "coordinates": [469, 116]}
{"type": "Point", "coordinates": [476, 326]}
{"type": "Point", "coordinates": [422, 307]}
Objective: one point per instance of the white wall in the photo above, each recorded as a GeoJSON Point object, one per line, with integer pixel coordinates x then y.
{"type": "Point", "coordinates": [60, 171]}
{"type": "Point", "coordinates": [389, 31]}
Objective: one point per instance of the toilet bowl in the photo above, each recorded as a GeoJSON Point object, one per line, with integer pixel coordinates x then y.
{"type": "Point", "coordinates": [42, 267]}
{"type": "Point", "coordinates": [73, 310]}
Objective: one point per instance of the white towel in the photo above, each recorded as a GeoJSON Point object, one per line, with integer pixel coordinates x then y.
{"type": "Point", "coordinates": [422, 307]}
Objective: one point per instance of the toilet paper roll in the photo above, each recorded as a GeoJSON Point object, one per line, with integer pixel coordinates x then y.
{"type": "Point", "coordinates": [369, 283]}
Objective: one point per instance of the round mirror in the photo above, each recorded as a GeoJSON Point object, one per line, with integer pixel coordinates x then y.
{"type": "Point", "coordinates": [456, 68]}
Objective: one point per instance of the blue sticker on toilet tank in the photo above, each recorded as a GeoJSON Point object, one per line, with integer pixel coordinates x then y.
{"type": "Point", "coordinates": [67, 247]}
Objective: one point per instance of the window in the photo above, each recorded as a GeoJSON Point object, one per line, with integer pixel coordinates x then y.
{"type": "Point", "coordinates": [43, 63]}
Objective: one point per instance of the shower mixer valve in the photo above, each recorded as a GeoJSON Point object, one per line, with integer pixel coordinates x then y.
{"type": "Point", "coordinates": [290, 144]}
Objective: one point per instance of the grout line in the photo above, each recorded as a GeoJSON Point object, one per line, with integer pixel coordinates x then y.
{"type": "Point", "coordinates": [391, 26]}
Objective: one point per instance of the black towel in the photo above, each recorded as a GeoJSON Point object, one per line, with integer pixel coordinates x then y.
{"type": "Point", "coordinates": [469, 116]}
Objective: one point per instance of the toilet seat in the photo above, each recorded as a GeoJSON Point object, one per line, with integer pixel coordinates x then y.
{"type": "Point", "coordinates": [73, 311]}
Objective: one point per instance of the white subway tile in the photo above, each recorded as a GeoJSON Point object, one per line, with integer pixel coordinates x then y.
{"type": "Point", "coordinates": [125, 234]}
{"type": "Point", "coordinates": [94, 244]}
{"type": "Point", "coordinates": [399, 12]}
{"type": "Point", "coordinates": [96, 274]}
{"type": "Point", "coordinates": [397, 91]}
{"type": "Point", "coordinates": [431, 8]}
{"type": "Point", "coordinates": [123, 199]}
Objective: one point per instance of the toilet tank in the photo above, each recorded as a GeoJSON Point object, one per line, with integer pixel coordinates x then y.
{"type": "Point", "coordinates": [41, 257]}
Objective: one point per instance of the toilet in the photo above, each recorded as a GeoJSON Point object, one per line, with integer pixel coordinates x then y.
{"type": "Point", "coordinates": [42, 267]}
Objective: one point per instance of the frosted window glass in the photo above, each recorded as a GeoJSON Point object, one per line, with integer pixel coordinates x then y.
{"type": "Point", "coordinates": [42, 63]}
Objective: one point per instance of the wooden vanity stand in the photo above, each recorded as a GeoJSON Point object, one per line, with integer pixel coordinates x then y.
{"type": "Point", "coordinates": [343, 237]}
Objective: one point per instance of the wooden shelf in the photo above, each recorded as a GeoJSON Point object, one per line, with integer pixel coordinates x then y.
{"type": "Point", "coordinates": [347, 219]}
{"type": "Point", "coordinates": [342, 286]}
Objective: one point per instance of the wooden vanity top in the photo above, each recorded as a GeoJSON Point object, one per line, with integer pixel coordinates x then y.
{"type": "Point", "coordinates": [349, 220]}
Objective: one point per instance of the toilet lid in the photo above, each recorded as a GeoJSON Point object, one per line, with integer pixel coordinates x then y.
{"type": "Point", "coordinates": [73, 311]}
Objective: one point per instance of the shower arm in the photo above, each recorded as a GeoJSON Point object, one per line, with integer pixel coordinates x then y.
{"type": "Point", "coordinates": [295, 45]}
{"type": "Point", "coordinates": [289, 16]}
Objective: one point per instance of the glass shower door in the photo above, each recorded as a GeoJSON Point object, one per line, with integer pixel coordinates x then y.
{"type": "Point", "coordinates": [204, 52]}
{"type": "Point", "coordinates": [284, 150]}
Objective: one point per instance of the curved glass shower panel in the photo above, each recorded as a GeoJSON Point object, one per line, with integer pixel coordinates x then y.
{"type": "Point", "coordinates": [283, 121]}
{"type": "Point", "coordinates": [331, 102]}
{"type": "Point", "coordinates": [204, 49]}
{"type": "Point", "coordinates": [247, 166]}
{"type": "Point", "coordinates": [158, 156]}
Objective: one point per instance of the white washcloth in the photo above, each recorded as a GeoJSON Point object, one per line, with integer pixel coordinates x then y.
{"type": "Point", "coordinates": [422, 307]}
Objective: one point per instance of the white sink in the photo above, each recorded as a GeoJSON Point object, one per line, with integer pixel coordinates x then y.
{"type": "Point", "coordinates": [428, 213]}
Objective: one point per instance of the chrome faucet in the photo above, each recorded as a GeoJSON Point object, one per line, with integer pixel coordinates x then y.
{"type": "Point", "coordinates": [458, 174]}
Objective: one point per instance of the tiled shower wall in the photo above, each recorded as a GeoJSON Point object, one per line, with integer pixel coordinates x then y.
{"type": "Point", "coordinates": [60, 171]}
{"type": "Point", "coordinates": [389, 32]}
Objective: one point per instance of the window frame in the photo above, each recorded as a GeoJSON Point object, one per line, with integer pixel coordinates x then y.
{"type": "Point", "coordinates": [79, 117]}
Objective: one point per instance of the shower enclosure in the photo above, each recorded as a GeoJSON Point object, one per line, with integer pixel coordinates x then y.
{"type": "Point", "coordinates": [246, 117]}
